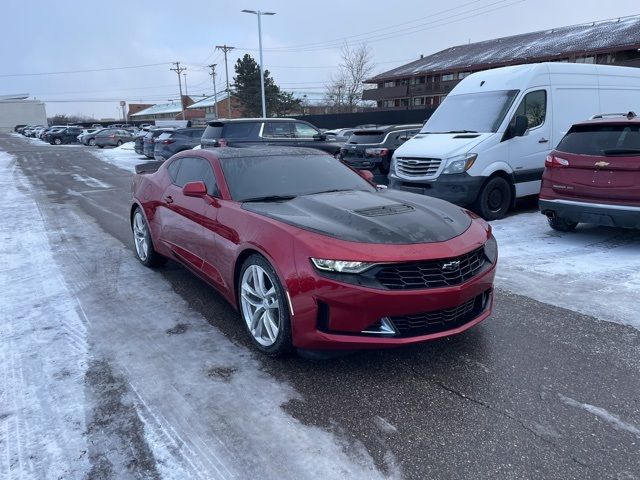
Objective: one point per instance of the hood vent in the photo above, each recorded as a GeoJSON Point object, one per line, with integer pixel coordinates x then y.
{"type": "Point", "coordinates": [467, 136]}
{"type": "Point", "coordinates": [384, 210]}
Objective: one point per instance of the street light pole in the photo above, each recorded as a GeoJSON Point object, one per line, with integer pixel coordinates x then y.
{"type": "Point", "coordinates": [259, 14]}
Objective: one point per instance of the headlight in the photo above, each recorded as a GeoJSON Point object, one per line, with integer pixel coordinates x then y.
{"type": "Point", "coordinates": [393, 164]}
{"type": "Point", "coordinates": [341, 266]}
{"type": "Point", "coordinates": [491, 249]}
{"type": "Point", "coordinates": [460, 164]}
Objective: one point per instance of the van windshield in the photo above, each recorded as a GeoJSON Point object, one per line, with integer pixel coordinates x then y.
{"type": "Point", "coordinates": [470, 113]}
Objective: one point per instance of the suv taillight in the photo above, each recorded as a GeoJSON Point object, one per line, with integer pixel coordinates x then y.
{"type": "Point", "coordinates": [376, 152]}
{"type": "Point", "coordinates": [167, 141]}
{"type": "Point", "coordinates": [555, 162]}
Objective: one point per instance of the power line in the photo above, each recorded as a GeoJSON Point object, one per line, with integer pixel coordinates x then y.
{"type": "Point", "coordinates": [4, 75]}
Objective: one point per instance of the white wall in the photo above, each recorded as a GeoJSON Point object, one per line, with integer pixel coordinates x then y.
{"type": "Point", "coordinates": [21, 112]}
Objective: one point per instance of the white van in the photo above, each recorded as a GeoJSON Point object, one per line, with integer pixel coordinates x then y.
{"type": "Point", "coordinates": [486, 143]}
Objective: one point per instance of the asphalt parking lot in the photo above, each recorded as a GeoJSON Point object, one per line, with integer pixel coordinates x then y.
{"type": "Point", "coordinates": [110, 370]}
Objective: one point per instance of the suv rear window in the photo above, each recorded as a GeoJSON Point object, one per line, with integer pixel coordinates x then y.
{"type": "Point", "coordinates": [367, 136]}
{"type": "Point", "coordinates": [213, 131]}
{"type": "Point", "coordinates": [165, 135]}
{"type": "Point", "coordinates": [602, 139]}
{"type": "Point", "coordinates": [238, 130]}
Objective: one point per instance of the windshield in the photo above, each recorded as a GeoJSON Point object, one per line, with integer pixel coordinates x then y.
{"type": "Point", "coordinates": [367, 136]}
{"type": "Point", "coordinates": [288, 176]}
{"type": "Point", "coordinates": [472, 112]}
{"type": "Point", "coordinates": [597, 139]}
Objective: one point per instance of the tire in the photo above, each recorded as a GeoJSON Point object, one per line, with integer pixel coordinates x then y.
{"type": "Point", "coordinates": [494, 199]}
{"type": "Point", "coordinates": [57, 141]}
{"type": "Point", "coordinates": [253, 296]}
{"type": "Point", "coordinates": [92, 142]}
{"type": "Point", "coordinates": [100, 146]}
{"type": "Point", "coordinates": [142, 242]}
{"type": "Point", "coordinates": [118, 143]}
{"type": "Point", "coordinates": [561, 224]}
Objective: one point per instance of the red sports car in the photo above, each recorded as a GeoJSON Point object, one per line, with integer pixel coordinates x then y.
{"type": "Point", "coordinates": [312, 254]}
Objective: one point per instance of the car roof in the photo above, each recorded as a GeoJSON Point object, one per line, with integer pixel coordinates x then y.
{"type": "Point", "coordinates": [256, 151]}
{"type": "Point", "coordinates": [611, 119]}
{"type": "Point", "coordinates": [257, 119]}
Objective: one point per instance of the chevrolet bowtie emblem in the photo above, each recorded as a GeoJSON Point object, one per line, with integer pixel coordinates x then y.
{"type": "Point", "coordinates": [601, 163]}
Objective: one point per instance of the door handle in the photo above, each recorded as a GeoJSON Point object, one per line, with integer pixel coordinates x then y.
{"type": "Point", "coordinates": [543, 140]}
{"type": "Point", "coordinates": [168, 199]}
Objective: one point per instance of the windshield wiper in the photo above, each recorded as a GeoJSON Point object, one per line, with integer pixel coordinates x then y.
{"type": "Point", "coordinates": [270, 198]}
{"type": "Point", "coordinates": [332, 191]}
{"type": "Point", "coordinates": [622, 151]}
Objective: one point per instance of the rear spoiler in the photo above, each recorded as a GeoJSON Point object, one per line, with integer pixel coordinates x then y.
{"type": "Point", "coordinates": [148, 167]}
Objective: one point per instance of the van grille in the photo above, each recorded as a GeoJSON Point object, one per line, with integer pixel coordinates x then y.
{"type": "Point", "coordinates": [417, 167]}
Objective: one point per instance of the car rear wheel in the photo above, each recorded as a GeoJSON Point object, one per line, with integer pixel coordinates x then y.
{"type": "Point", "coordinates": [143, 243]}
{"type": "Point", "coordinates": [92, 142]}
{"type": "Point", "coordinates": [263, 306]}
{"type": "Point", "coordinates": [119, 143]}
{"type": "Point", "coordinates": [57, 141]}
{"type": "Point", "coordinates": [494, 199]}
{"type": "Point", "coordinates": [561, 224]}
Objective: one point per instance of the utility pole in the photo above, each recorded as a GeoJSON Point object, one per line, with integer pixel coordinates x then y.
{"type": "Point", "coordinates": [226, 49]}
{"type": "Point", "coordinates": [215, 93]}
{"type": "Point", "coordinates": [259, 13]}
{"type": "Point", "coordinates": [186, 92]}
{"type": "Point", "coordinates": [179, 71]}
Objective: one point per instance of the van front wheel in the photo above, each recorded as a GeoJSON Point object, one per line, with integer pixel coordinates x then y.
{"type": "Point", "coordinates": [494, 199]}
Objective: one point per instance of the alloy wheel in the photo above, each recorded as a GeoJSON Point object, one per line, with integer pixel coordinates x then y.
{"type": "Point", "coordinates": [260, 305]}
{"type": "Point", "coordinates": [141, 236]}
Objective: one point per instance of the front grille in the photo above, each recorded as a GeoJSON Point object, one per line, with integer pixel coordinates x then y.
{"type": "Point", "coordinates": [441, 320]}
{"type": "Point", "coordinates": [418, 167]}
{"type": "Point", "coordinates": [432, 274]}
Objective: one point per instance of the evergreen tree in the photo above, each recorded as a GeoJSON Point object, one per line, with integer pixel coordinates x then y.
{"type": "Point", "coordinates": [247, 90]}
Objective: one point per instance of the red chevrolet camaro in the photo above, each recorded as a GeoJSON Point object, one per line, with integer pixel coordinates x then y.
{"type": "Point", "coordinates": [311, 254]}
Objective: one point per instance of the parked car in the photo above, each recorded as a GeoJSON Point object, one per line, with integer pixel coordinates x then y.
{"type": "Point", "coordinates": [169, 143]}
{"type": "Point", "coordinates": [148, 141]}
{"type": "Point", "coordinates": [340, 135]}
{"type": "Point", "coordinates": [112, 137]}
{"type": "Point", "coordinates": [30, 131]}
{"type": "Point", "coordinates": [269, 131]}
{"type": "Point", "coordinates": [85, 132]}
{"type": "Point", "coordinates": [63, 135]}
{"type": "Point", "coordinates": [18, 128]}
{"type": "Point", "coordinates": [90, 138]}
{"type": "Point", "coordinates": [486, 143]}
{"type": "Point", "coordinates": [593, 175]}
{"type": "Point", "coordinates": [311, 254]}
{"type": "Point", "coordinates": [373, 149]}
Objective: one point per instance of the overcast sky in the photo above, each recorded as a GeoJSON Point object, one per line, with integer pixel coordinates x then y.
{"type": "Point", "coordinates": [301, 41]}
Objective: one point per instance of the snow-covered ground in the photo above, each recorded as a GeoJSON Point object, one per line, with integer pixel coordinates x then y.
{"type": "Point", "coordinates": [123, 156]}
{"type": "Point", "coordinates": [104, 369]}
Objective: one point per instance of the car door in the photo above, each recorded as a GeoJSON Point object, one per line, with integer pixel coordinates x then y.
{"type": "Point", "coordinates": [185, 218]}
{"type": "Point", "coordinates": [304, 134]}
{"type": "Point", "coordinates": [527, 153]}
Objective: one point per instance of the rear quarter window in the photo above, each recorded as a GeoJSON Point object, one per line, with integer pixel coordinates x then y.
{"type": "Point", "coordinates": [238, 130]}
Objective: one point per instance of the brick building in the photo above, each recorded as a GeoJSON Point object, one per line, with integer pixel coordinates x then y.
{"type": "Point", "coordinates": [168, 111]}
{"type": "Point", "coordinates": [208, 105]}
{"type": "Point", "coordinates": [425, 82]}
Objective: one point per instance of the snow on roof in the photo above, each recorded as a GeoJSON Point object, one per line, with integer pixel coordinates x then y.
{"type": "Point", "coordinates": [159, 109]}
{"type": "Point", "coordinates": [608, 35]}
{"type": "Point", "coordinates": [17, 96]}
{"type": "Point", "coordinates": [209, 101]}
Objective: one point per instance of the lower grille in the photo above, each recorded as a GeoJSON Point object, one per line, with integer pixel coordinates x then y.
{"type": "Point", "coordinates": [418, 167]}
{"type": "Point", "coordinates": [441, 320]}
{"type": "Point", "coordinates": [432, 274]}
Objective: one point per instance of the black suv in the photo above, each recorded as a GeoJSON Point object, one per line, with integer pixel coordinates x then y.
{"type": "Point", "coordinates": [373, 148]}
{"type": "Point", "coordinates": [267, 131]}
{"type": "Point", "coordinates": [180, 139]}
{"type": "Point", "coordinates": [65, 135]}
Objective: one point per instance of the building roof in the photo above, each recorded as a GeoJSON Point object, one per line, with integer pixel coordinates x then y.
{"type": "Point", "coordinates": [158, 109]}
{"type": "Point", "coordinates": [209, 101]}
{"type": "Point", "coordinates": [608, 35]}
{"type": "Point", "coordinates": [17, 96]}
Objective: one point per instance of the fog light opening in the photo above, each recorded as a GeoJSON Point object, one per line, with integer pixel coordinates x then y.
{"type": "Point", "coordinates": [383, 327]}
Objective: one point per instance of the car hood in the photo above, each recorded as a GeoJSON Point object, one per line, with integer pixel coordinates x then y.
{"type": "Point", "coordinates": [441, 145]}
{"type": "Point", "coordinates": [383, 217]}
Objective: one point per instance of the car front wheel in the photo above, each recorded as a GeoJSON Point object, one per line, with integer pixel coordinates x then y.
{"type": "Point", "coordinates": [119, 143]}
{"type": "Point", "coordinates": [92, 142]}
{"type": "Point", "coordinates": [263, 306]}
{"type": "Point", "coordinates": [143, 243]}
{"type": "Point", "coordinates": [57, 141]}
{"type": "Point", "coordinates": [494, 199]}
{"type": "Point", "coordinates": [561, 224]}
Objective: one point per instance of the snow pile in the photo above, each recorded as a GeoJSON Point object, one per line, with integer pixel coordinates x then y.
{"type": "Point", "coordinates": [123, 156]}
{"type": "Point", "coordinates": [594, 270]}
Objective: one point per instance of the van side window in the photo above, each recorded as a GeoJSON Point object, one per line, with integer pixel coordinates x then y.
{"type": "Point", "coordinates": [534, 106]}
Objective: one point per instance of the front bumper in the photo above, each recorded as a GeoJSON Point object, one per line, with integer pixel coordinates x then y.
{"type": "Point", "coordinates": [338, 313]}
{"type": "Point", "coordinates": [600, 214]}
{"type": "Point", "coordinates": [459, 188]}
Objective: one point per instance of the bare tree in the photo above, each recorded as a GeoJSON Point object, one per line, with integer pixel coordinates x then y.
{"type": "Point", "coordinates": [344, 90]}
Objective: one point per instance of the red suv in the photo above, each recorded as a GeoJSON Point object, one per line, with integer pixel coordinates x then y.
{"type": "Point", "coordinates": [593, 175]}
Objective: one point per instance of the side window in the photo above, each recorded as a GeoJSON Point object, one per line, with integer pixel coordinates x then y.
{"type": "Point", "coordinates": [237, 130]}
{"type": "Point", "coordinates": [277, 130]}
{"type": "Point", "coordinates": [173, 168]}
{"type": "Point", "coordinates": [193, 169]}
{"type": "Point", "coordinates": [534, 107]}
{"type": "Point", "coordinates": [305, 131]}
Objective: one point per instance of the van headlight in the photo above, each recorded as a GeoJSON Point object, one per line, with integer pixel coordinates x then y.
{"type": "Point", "coordinates": [393, 164]}
{"type": "Point", "coordinates": [460, 163]}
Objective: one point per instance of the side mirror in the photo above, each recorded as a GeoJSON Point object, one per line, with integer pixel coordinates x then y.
{"type": "Point", "coordinates": [194, 189]}
{"type": "Point", "coordinates": [320, 136]}
{"type": "Point", "coordinates": [521, 125]}
{"type": "Point", "coordinates": [366, 174]}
